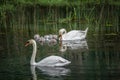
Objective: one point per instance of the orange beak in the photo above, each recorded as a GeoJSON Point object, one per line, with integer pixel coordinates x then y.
{"type": "Point", "coordinates": [26, 44]}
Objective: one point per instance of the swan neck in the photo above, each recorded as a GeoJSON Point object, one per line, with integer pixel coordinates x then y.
{"type": "Point", "coordinates": [32, 62]}
{"type": "Point", "coordinates": [65, 31]}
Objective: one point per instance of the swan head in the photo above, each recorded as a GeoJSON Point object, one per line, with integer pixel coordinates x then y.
{"type": "Point", "coordinates": [31, 41]}
{"type": "Point", "coordinates": [62, 32]}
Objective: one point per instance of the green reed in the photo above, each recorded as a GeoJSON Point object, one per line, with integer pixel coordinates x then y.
{"type": "Point", "coordinates": [102, 17]}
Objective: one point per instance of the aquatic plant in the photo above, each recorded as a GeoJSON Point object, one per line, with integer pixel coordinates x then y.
{"type": "Point", "coordinates": [27, 14]}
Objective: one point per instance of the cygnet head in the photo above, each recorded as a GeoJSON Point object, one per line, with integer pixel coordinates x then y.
{"type": "Point", "coordinates": [36, 36]}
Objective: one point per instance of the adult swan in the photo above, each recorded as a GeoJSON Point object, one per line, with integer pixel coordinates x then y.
{"type": "Point", "coordinates": [48, 61]}
{"type": "Point", "coordinates": [73, 34]}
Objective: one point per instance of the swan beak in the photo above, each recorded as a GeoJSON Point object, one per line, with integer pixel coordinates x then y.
{"type": "Point", "coordinates": [26, 44]}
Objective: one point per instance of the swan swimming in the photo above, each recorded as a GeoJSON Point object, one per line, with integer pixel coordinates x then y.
{"type": "Point", "coordinates": [48, 61]}
{"type": "Point", "coordinates": [72, 35]}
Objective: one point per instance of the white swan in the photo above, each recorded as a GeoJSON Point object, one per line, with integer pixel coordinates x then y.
{"type": "Point", "coordinates": [48, 61]}
{"type": "Point", "coordinates": [72, 35]}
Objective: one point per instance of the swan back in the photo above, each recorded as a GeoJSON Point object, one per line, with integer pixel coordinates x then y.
{"type": "Point", "coordinates": [53, 61]}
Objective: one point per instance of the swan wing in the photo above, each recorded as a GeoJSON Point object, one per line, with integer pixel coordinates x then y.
{"type": "Point", "coordinates": [73, 35]}
{"type": "Point", "coordinates": [53, 61]}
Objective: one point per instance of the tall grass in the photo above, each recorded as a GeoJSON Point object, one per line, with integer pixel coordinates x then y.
{"type": "Point", "coordinates": [98, 15]}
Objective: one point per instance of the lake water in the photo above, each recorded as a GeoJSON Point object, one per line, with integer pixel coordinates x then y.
{"type": "Point", "coordinates": [92, 59]}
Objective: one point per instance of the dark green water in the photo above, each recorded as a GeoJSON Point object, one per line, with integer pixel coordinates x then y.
{"type": "Point", "coordinates": [95, 59]}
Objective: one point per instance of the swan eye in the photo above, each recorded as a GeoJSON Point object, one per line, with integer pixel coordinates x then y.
{"type": "Point", "coordinates": [27, 42]}
{"type": "Point", "coordinates": [63, 32]}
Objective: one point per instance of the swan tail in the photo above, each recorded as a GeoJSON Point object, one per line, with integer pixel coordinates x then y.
{"type": "Point", "coordinates": [83, 33]}
{"type": "Point", "coordinates": [86, 30]}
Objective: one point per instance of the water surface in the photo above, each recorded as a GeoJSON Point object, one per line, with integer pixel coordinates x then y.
{"type": "Point", "coordinates": [92, 59]}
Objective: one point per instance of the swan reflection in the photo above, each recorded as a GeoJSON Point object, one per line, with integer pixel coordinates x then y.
{"type": "Point", "coordinates": [50, 71]}
{"type": "Point", "coordinates": [80, 45]}
{"type": "Point", "coordinates": [33, 72]}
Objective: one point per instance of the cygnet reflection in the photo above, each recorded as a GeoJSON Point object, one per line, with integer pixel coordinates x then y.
{"type": "Point", "coordinates": [75, 45]}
